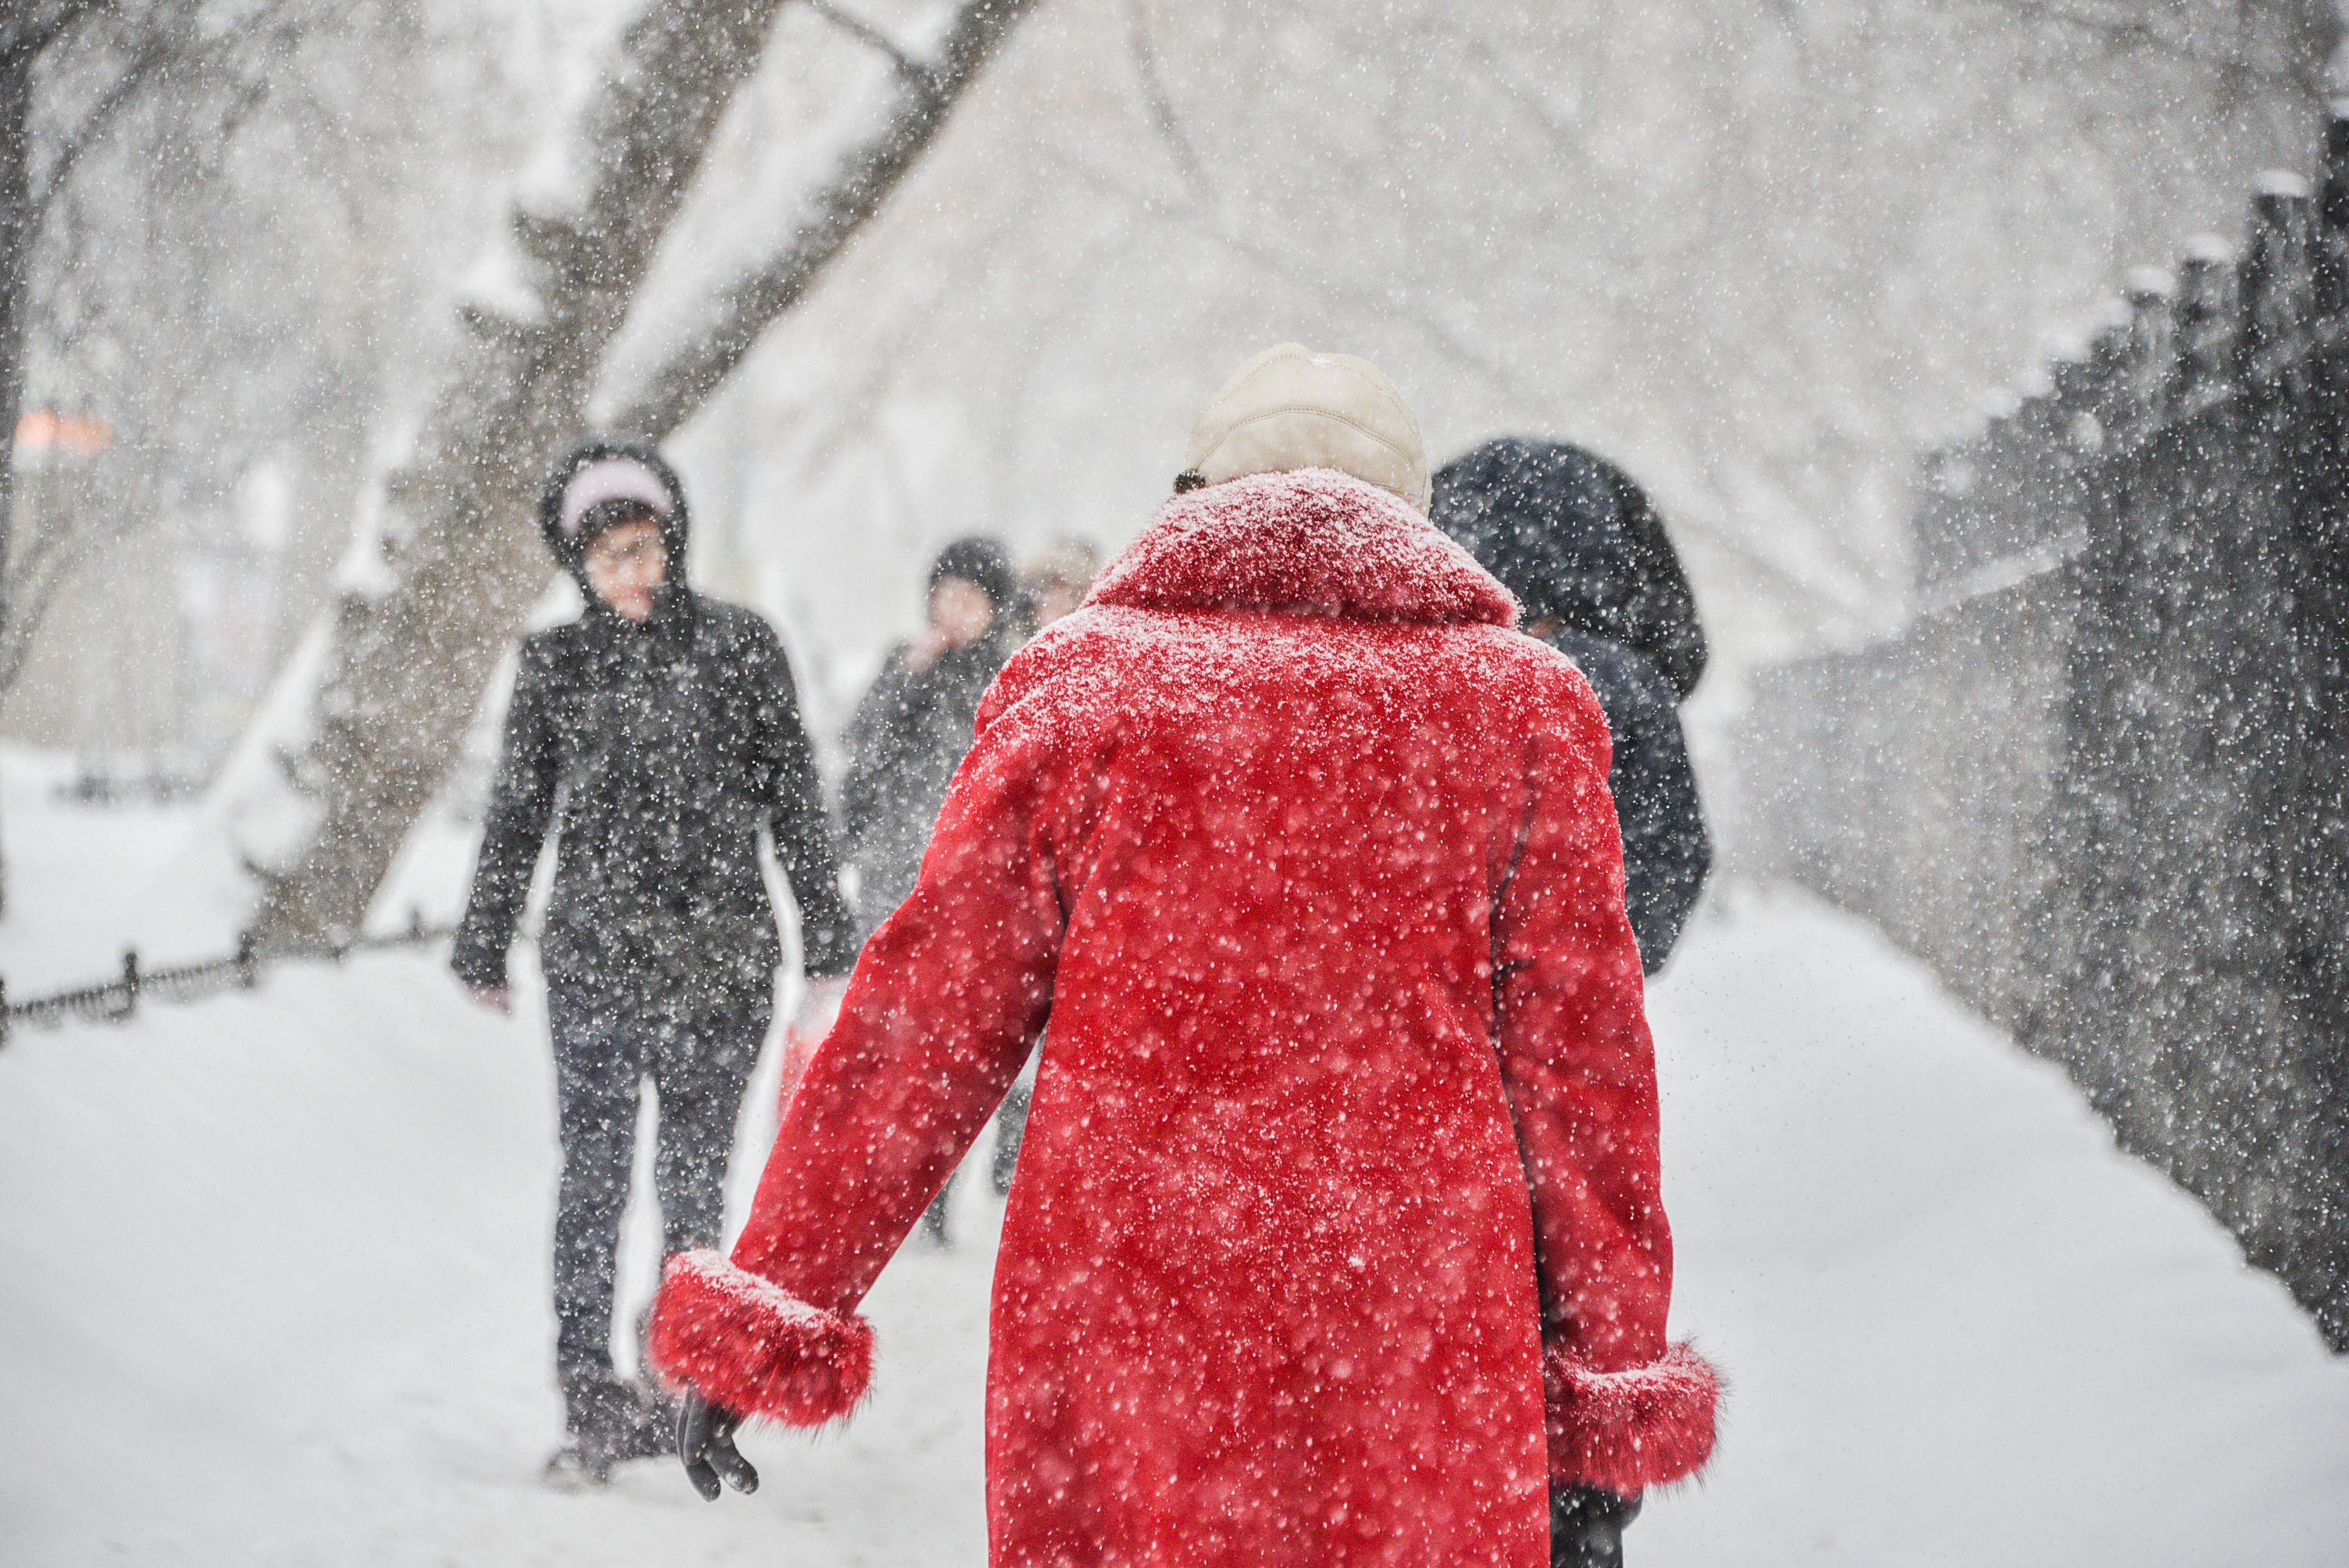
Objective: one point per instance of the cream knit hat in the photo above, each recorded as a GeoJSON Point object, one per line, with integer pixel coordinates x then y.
{"type": "Point", "coordinates": [1289, 408]}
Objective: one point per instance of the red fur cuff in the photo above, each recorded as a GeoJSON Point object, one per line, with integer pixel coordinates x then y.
{"type": "Point", "coordinates": [1629, 1431]}
{"type": "Point", "coordinates": [748, 1344]}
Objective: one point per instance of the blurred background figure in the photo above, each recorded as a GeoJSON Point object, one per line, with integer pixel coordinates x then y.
{"type": "Point", "coordinates": [911, 729]}
{"type": "Point", "coordinates": [1058, 578]}
{"type": "Point", "coordinates": [1579, 545]}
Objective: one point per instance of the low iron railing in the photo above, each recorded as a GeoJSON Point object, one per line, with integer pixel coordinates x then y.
{"type": "Point", "coordinates": [113, 1000]}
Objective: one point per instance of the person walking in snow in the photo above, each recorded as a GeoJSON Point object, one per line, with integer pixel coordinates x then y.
{"type": "Point", "coordinates": [1577, 543]}
{"type": "Point", "coordinates": [654, 736]}
{"type": "Point", "coordinates": [911, 729]}
{"type": "Point", "coordinates": [1336, 1239]}
{"type": "Point", "coordinates": [1056, 581]}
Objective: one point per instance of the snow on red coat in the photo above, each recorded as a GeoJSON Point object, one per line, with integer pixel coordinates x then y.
{"type": "Point", "coordinates": [1310, 859]}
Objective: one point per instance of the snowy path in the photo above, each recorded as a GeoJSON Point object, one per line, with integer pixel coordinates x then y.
{"type": "Point", "coordinates": [270, 1293]}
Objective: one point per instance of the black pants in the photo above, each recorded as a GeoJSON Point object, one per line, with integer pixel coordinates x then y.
{"type": "Point", "coordinates": [700, 1062]}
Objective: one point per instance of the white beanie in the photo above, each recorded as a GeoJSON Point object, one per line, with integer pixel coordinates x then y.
{"type": "Point", "coordinates": [1289, 408]}
{"type": "Point", "coordinates": [610, 478]}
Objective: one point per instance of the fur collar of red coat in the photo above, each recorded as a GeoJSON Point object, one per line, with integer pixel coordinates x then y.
{"type": "Point", "coordinates": [1313, 540]}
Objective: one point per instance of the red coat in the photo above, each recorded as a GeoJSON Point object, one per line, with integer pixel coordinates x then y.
{"type": "Point", "coordinates": [1310, 859]}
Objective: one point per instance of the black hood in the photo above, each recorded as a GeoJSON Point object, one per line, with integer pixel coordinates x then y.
{"type": "Point", "coordinates": [1578, 542]}
{"type": "Point", "coordinates": [981, 563]}
{"type": "Point", "coordinates": [675, 524]}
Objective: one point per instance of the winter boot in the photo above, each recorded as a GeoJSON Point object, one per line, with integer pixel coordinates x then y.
{"type": "Point", "coordinates": [1586, 1527]}
{"type": "Point", "coordinates": [608, 1421]}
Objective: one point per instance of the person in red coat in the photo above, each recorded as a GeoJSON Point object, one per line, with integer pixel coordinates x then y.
{"type": "Point", "coordinates": [1337, 1238]}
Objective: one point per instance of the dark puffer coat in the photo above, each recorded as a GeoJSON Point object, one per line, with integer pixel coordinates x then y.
{"type": "Point", "coordinates": [656, 751]}
{"type": "Point", "coordinates": [1577, 543]}
{"type": "Point", "coordinates": [909, 735]}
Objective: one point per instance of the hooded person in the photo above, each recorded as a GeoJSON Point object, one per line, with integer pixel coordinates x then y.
{"type": "Point", "coordinates": [911, 731]}
{"type": "Point", "coordinates": [653, 737]}
{"type": "Point", "coordinates": [1057, 579]}
{"type": "Point", "coordinates": [1337, 1238]}
{"type": "Point", "coordinates": [913, 728]}
{"type": "Point", "coordinates": [1596, 578]}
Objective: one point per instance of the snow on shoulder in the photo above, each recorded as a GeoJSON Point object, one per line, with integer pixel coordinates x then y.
{"type": "Point", "coordinates": [1312, 540]}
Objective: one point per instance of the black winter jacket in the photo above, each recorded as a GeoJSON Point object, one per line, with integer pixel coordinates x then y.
{"type": "Point", "coordinates": [1666, 850]}
{"type": "Point", "coordinates": [1577, 543]}
{"type": "Point", "coordinates": [904, 742]}
{"type": "Point", "coordinates": [657, 752]}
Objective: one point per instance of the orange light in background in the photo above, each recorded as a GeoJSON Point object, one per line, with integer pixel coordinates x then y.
{"type": "Point", "coordinates": [45, 430]}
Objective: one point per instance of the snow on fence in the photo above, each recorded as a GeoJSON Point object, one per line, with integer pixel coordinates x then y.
{"type": "Point", "coordinates": [2101, 783]}
{"type": "Point", "coordinates": [112, 1001]}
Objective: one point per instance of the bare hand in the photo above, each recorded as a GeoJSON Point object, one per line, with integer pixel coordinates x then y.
{"type": "Point", "coordinates": [496, 998]}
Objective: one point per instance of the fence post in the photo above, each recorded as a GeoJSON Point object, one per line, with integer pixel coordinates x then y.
{"type": "Point", "coordinates": [2151, 360]}
{"type": "Point", "coordinates": [130, 982]}
{"type": "Point", "coordinates": [2205, 318]}
{"type": "Point", "coordinates": [2279, 286]}
{"type": "Point", "coordinates": [248, 967]}
{"type": "Point", "coordinates": [4, 1013]}
{"type": "Point", "coordinates": [416, 923]}
{"type": "Point", "coordinates": [2332, 215]}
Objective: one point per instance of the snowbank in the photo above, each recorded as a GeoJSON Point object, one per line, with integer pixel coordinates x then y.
{"type": "Point", "coordinates": [271, 1293]}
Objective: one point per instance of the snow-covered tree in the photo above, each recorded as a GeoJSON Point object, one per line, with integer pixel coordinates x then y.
{"type": "Point", "coordinates": [458, 561]}
{"type": "Point", "coordinates": [1760, 256]}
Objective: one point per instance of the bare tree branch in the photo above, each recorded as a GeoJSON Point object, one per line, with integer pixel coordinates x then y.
{"type": "Point", "coordinates": [834, 212]}
{"type": "Point", "coordinates": [120, 96]}
{"type": "Point", "coordinates": [2143, 29]}
{"type": "Point", "coordinates": [1160, 105]}
{"type": "Point", "coordinates": [918, 74]}
{"type": "Point", "coordinates": [38, 23]}
{"type": "Point", "coordinates": [48, 565]}
{"type": "Point", "coordinates": [166, 39]}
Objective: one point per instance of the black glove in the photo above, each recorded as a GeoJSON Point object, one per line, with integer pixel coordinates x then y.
{"type": "Point", "coordinates": [1586, 1527]}
{"type": "Point", "coordinates": [705, 1441]}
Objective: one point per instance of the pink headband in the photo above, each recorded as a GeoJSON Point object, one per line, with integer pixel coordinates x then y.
{"type": "Point", "coordinates": [610, 478]}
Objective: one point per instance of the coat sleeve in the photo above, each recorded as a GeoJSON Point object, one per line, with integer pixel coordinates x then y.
{"type": "Point", "coordinates": [872, 746]}
{"type": "Point", "coordinates": [796, 817]}
{"type": "Point", "coordinates": [1626, 1411]}
{"type": "Point", "coordinates": [1666, 850]}
{"type": "Point", "coordinates": [1664, 606]}
{"type": "Point", "coordinates": [945, 1002]}
{"type": "Point", "coordinates": [522, 805]}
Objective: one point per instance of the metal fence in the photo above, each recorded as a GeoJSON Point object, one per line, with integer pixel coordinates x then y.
{"type": "Point", "coordinates": [2101, 783]}
{"type": "Point", "coordinates": [112, 1000]}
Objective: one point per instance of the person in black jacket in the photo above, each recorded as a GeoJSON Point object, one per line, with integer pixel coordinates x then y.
{"type": "Point", "coordinates": [653, 737]}
{"type": "Point", "coordinates": [914, 728]}
{"type": "Point", "coordinates": [915, 725]}
{"type": "Point", "coordinates": [1577, 541]}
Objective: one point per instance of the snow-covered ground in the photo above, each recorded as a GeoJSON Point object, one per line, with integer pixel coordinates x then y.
{"type": "Point", "coordinates": [271, 1293]}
